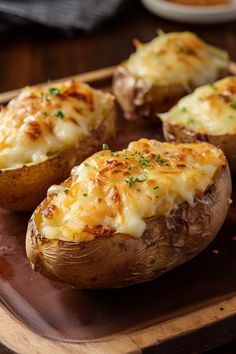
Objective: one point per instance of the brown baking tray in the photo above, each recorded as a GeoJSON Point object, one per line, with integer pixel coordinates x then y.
{"type": "Point", "coordinates": [189, 309]}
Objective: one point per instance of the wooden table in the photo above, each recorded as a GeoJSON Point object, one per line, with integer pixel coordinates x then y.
{"type": "Point", "coordinates": [34, 54]}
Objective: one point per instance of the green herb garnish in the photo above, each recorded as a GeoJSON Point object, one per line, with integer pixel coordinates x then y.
{"type": "Point", "coordinates": [130, 181]}
{"type": "Point", "coordinates": [184, 110]}
{"type": "Point", "coordinates": [54, 91]}
{"type": "Point", "coordinates": [212, 85]}
{"type": "Point", "coordinates": [105, 147]}
{"type": "Point", "coordinates": [190, 120]}
{"type": "Point", "coordinates": [232, 105]}
{"type": "Point", "coordinates": [156, 187]}
{"type": "Point", "coordinates": [59, 114]}
{"type": "Point", "coordinates": [86, 164]}
{"type": "Point", "coordinates": [162, 161]}
{"type": "Point", "coordinates": [85, 195]}
{"type": "Point", "coordinates": [66, 190]}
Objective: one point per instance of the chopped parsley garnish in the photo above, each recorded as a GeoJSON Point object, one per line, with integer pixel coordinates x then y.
{"type": "Point", "coordinates": [186, 50]}
{"type": "Point", "coordinates": [129, 168]}
{"type": "Point", "coordinates": [190, 120]}
{"type": "Point", "coordinates": [100, 155]}
{"type": "Point", "coordinates": [212, 85]}
{"type": "Point", "coordinates": [59, 114]}
{"type": "Point", "coordinates": [85, 195]}
{"type": "Point", "coordinates": [162, 161]}
{"type": "Point", "coordinates": [105, 147]}
{"type": "Point", "coordinates": [130, 181]}
{"type": "Point", "coordinates": [86, 164]}
{"type": "Point", "coordinates": [184, 110]}
{"type": "Point", "coordinates": [232, 105]}
{"type": "Point", "coordinates": [44, 97]}
{"type": "Point", "coordinates": [140, 180]}
{"type": "Point", "coordinates": [156, 187]}
{"type": "Point", "coordinates": [66, 190]}
{"type": "Point", "coordinates": [54, 91]}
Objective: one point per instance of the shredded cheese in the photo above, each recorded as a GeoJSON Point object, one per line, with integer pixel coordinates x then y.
{"type": "Point", "coordinates": [114, 192]}
{"type": "Point", "coordinates": [43, 121]}
{"type": "Point", "coordinates": [177, 58]}
{"type": "Point", "coordinates": [211, 109]}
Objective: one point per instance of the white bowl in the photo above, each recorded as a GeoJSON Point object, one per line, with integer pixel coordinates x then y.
{"type": "Point", "coordinates": [192, 14]}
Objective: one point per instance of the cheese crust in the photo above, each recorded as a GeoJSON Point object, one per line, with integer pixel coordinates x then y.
{"type": "Point", "coordinates": [115, 192]}
{"type": "Point", "coordinates": [177, 58]}
{"type": "Point", "coordinates": [44, 121]}
{"type": "Point", "coordinates": [210, 109]}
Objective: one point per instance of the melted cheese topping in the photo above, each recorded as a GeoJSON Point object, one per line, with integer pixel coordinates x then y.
{"type": "Point", "coordinates": [177, 58]}
{"type": "Point", "coordinates": [115, 192]}
{"type": "Point", "coordinates": [43, 121]}
{"type": "Point", "coordinates": [211, 109]}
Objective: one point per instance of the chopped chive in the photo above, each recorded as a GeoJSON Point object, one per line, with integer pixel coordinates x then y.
{"type": "Point", "coordinates": [190, 120]}
{"type": "Point", "coordinates": [232, 105]}
{"type": "Point", "coordinates": [66, 190]}
{"type": "Point", "coordinates": [212, 85]}
{"type": "Point", "coordinates": [156, 187]}
{"type": "Point", "coordinates": [184, 110]}
{"type": "Point", "coordinates": [130, 181]}
{"type": "Point", "coordinates": [54, 91]}
{"type": "Point", "coordinates": [162, 161]}
{"type": "Point", "coordinates": [105, 147]}
{"type": "Point", "coordinates": [59, 114]}
{"type": "Point", "coordinates": [86, 164]}
{"type": "Point", "coordinates": [129, 168]}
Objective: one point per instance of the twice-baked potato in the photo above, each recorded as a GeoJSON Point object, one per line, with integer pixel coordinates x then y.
{"type": "Point", "coordinates": [127, 217]}
{"type": "Point", "coordinates": [208, 114]}
{"type": "Point", "coordinates": [45, 131]}
{"type": "Point", "coordinates": [162, 71]}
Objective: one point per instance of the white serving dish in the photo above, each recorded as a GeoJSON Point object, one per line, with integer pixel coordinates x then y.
{"type": "Point", "coordinates": [192, 14]}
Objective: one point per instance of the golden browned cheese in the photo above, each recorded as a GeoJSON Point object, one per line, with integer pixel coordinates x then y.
{"type": "Point", "coordinates": [202, 2]}
{"type": "Point", "coordinates": [177, 58]}
{"type": "Point", "coordinates": [114, 192]}
{"type": "Point", "coordinates": [210, 109]}
{"type": "Point", "coordinates": [43, 121]}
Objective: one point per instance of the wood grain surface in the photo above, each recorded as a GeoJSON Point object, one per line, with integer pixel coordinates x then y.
{"type": "Point", "coordinates": [33, 55]}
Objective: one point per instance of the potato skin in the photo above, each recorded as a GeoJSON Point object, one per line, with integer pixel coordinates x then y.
{"type": "Point", "coordinates": [227, 142]}
{"type": "Point", "coordinates": [22, 189]}
{"type": "Point", "coordinates": [140, 99]}
{"type": "Point", "coordinates": [121, 260]}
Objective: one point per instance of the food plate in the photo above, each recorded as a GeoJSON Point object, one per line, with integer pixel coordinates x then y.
{"type": "Point", "coordinates": [191, 306]}
{"type": "Point", "coordinates": [192, 14]}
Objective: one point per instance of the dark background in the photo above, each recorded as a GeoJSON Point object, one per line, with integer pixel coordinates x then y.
{"type": "Point", "coordinates": [34, 54]}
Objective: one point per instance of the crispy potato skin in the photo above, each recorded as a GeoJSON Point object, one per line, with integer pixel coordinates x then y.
{"type": "Point", "coordinates": [22, 189]}
{"type": "Point", "coordinates": [227, 142]}
{"type": "Point", "coordinates": [139, 99]}
{"type": "Point", "coordinates": [121, 260]}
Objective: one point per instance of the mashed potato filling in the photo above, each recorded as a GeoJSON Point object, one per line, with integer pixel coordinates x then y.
{"type": "Point", "coordinates": [211, 109]}
{"type": "Point", "coordinates": [114, 192]}
{"type": "Point", "coordinates": [43, 121]}
{"type": "Point", "coordinates": [177, 59]}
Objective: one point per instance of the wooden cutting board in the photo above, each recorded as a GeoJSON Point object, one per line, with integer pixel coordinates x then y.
{"type": "Point", "coordinates": [190, 309]}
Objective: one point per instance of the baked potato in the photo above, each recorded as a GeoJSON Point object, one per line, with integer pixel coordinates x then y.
{"type": "Point", "coordinates": [45, 131]}
{"type": "Point", "coordinates": [162, 71]}
{"type": "Point", "coordinates": [130, 216]}
{"type": "Point", "coordinates": [208, 114]}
